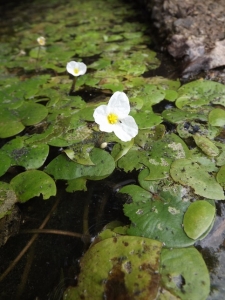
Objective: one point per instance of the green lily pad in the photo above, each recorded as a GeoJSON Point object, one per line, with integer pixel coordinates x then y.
{"type": "Point", "coordinates": [158, 216]}
{"type": "Point", "coordinates": [175, 115]}
{"type": "Point", "coordinates": [14, 121]}
{"type": "Point", "coordinates": [5, 163]}
{"type": "Point", "coordinates": [220, 177]}
{"type": "Point", "coordinates": [121, 266]}
{"type": "Point", "coordinates": [33, 183]}
{"type": "Point", "coordinates": [198, 218]}
{"type": "Point", "coordinates": [187, 172]}
{"type": "Point", "coordinates": [28, 156]}
{"type": "Point", "coordinates": [7, 199]}
{"type": "Point", "coordinates": [206, 145]}
{"type": "Point", "coordinates": [163, 153]}
{"type": "Point", "coordinates": [184, 274]}
{"type": "Point", "coordinates": [63, 168]}
{"type": "Point", "coordinates": [200, 92]}
{"type": "Point", "coordinates": [80, 154]}
{"type": "Point", "coordinates": [9, 124]}
{"type": "Point", "coordinates": [217, 117]}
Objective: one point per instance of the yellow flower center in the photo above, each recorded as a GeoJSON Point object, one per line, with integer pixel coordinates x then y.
{"type": "Point", "coordinates": [112, 118]}
{"type": "Point", "coordinates": [76, 71]}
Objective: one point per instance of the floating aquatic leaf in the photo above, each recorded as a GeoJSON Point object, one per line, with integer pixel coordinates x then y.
{"type": "Point", "coordinates": [80, 153]}
{"type": "Point", "coordinates": [220, 159]}
{"type": "Point", "coordinates": [117, 266]}
{"type": "Point", "coordinates": [5, 163]}
{"type": "Point", "coordinates": [189, 128]}
{"type": "Point", "coordinates": [134, 159]}
{"type": "Point", "coordinates": [13, 121]}
{"type": "Point", "coordinates": [175, 115]}
{"type": "Point", "coordinates": [163, 152]}
{"type": "Point", "coordinates": [220, 177]}
{"type": "Point", "coordinates": [206, 145]}
{"type": "Point", "coordinates": [198, 218]}
{"type": "Point", "coordinates": [28, 156]}
{"type": "Point", "coordinates": [217, 117]}
{"type": "Point", "coordinates": [187, 172]}
{"type": "Point", "coordinates": [200, 92]}
{"type": "Point", "coordinates": [121, 149]}
{"type": "Point", "coordinates": [158, 216]}
{"type": "Point", "coordinates": [33, 183]}
{"type": "Point", "coordinates": [63, 168]}
{"type": "Point", "coordinates": [187, 283]}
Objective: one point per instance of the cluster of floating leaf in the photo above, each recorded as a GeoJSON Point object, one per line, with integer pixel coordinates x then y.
{"type": "Point", "coordinates": [114, 116]}
{"type": "Point", "coordinates": [176, 183]}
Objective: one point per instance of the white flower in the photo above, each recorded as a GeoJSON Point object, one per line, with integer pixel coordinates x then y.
{"type": "Point", "coordinates": [114, 117]}
{"type": "Point", "coordinates": [76, 68]}
{"type": "Point", "coordinates": [41, 40]}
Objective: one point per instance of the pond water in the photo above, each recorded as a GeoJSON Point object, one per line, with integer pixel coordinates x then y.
{"type": "Point", "coordinates": [155, 186]}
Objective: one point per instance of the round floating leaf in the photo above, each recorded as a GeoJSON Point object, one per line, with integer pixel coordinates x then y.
{"type": "Point", "coordinates": [7, 199]}
{"type": "Point", "coordinates": [175, 115]}
{"type": "Point", "coordinates": [198, 218]}
{"type": "Point", "coordinates": [200, 92]}
{"type": "Point", "coordinates": [220, 177]}
{"type": "Point", "coordinates": [121, 267]}
{"type": "Point", "coordinates": [206, 145]}
{"type": "Point", "coordinates": [158, 216]}
{"type": "Point", "coordinates": [33, 183]}
{"type": "Point", "coordinates": [5, 163]}
{"type": "Point", "coordinates": [146, 119]}
{"type": "Point", "coordinates": [217, 117]}
{"type": "Point", "coordinates": [187, 172]}
{"type": "Point", "coordinates": [163, 153]}
{"type": "Point", "coordinates": [63, 168]}
{"type": "Point", "coordinates": [13, 121]}
{"type": "Point", "coordinates": [27, 156]}
{"type": "Point", "coordinates": [185, 274]}
{"type": "Point", "coordinates": [32, 113]}
{"type": "Point", "coordinates": [9, 124]}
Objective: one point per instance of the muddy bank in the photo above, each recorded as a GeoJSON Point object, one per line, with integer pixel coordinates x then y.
{"type": "Point", "coordinates": [191, 30]}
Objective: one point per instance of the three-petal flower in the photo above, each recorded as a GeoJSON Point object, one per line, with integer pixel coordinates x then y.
{"type": "Point", "coordinates": [114, 117]}
{"type": "Point", "coordinates": [76, 68]}
{"type": "Point", "coordinates": [41, 40]}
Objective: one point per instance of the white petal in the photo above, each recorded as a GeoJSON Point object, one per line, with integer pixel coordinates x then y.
{"type": "Point", "coordinates": [119, 105]}
{"type": "Point", "coordinates": [100, 116]}
{"type": "Point", "coordinates": [71, 66]}
{"type": "Point", "coordinates": [126, 129]}
{"type": "Point", "coordinates": [82, 67]}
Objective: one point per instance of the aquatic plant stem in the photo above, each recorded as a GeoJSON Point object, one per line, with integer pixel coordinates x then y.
{"type": "Point", "coordinates": [73, 85]}
{"type": "Point", "coordinates": [37, 60]}
{"type": "Point", "coordinates": [21, 286]}
{"type": "Point", "coordinates": [20, 255]}
{"type": "Point", "coordinates": [53, 231]}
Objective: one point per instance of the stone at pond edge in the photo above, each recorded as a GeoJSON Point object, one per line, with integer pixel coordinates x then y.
{"type": "Point", "coordinates": [123, 267]}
